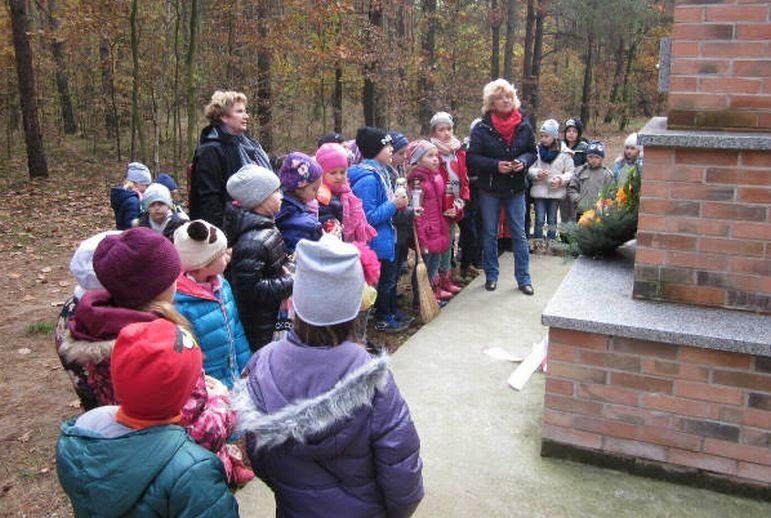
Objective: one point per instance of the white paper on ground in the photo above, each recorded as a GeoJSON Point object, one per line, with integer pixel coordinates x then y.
{"type": "Point", "coordinates": [522, 373]}
{"type": "Point", "coordinates": [501, 354]}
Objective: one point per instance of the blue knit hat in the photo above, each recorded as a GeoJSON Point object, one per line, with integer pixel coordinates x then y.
{"type": "Point", "coordinates": [398, 140]}
{"type": "Point", "coordinates": [138, 172]}
{"type": "Point", "coordinates": [596, 148]}
{"type": "Point", "coordinates": [167, 180]}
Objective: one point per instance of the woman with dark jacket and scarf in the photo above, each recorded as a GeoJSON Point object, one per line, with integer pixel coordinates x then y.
{"type": "Point", "coordinates": [224, 146]}
{"type": "Point", "coordinates": [326, 427]}
{"type": "Point", "coordinates": [501, 149]}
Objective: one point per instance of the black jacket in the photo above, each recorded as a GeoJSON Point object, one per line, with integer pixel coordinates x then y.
{"type": "Point", "coordinates": [256, 272]}
{"type": "Point", "coordinates": [216, 159]}
{"type": "Point", "coordinates": [487, 147]}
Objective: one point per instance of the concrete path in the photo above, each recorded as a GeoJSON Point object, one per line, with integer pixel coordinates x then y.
{"type": "Point", "coordinates": [481, 439]}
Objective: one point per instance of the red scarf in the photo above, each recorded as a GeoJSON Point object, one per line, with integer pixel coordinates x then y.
{"type": "Point", "coordinates": [506, 127]}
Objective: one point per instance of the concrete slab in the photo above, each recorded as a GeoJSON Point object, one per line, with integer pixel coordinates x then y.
{"type": "Point", "coordinates": [481, 439]}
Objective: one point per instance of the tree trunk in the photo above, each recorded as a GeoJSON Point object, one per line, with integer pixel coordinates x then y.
{"type": "Point", "coordinates": [192, 104]}
{"type": "Point", "coordinates": [508, 49]}
{"type": "Point", "coordinates": [108, 90]}
{"type": "Point", "coordinates": [372, 94]}
{"type": "Point", "coordinates": [535, 84]}
{"type": "Point", "coordinates": [264, 94]}
{"type": "Point", "coordinates": [60, 69]}
{"type": "Point", "coordinates": [624, 119]}
{"type": "Point", "coordinates": [36, 157]}
{"type": "Point", "coordinates": [337, 106]}
{"type": "Point", "coordinates": [136, 116]}
{"type": "Point", "coordinates": [615, 91]}
{"type": "Point", "coordinates": [527, 59]}
{"type": "Point", "coordinates": [426, 79]}
{"type": "Point", "coordinates": [587, 90]}
{"type": "Point", "coordinates": [177, 114]}
{"type": "Point", "coordinates": [495, 27]}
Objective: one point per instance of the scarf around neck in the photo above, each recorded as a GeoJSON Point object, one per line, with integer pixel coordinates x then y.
{"type": "Point", "coordinates": [547, 155]}
{"type": "Point", "coordinates": [446, 148]}
{"type": "Point", "coordinates": [506, 126]}
{"type": "Point", "coordinates": [355, 226]}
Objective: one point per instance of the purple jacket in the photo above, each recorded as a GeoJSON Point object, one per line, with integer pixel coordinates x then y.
{"type": "Point", "coordinates": [327, 429]}
{"type": "Point", "coordinates": [433, 227]}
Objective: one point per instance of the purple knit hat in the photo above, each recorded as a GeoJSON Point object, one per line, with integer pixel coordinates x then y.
{"type": "Point", "coordinates": [298, 170]}
{"type": "Point", "coordinates": [136, 266]}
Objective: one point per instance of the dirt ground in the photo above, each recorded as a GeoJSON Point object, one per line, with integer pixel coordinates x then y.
{"type": "Point", "coordinates": [41, 224]}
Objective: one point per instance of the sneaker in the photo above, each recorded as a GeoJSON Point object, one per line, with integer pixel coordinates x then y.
{"type": "Point", "coordinates": [390, 325]}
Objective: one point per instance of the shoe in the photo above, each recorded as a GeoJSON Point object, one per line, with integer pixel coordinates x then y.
{"type": "Point", "coordinates": [445, 282]}
{"type": "Point", "coordinates": [491, 285]}
{"type": "Point", "coordinates": [404, 317]}
{"type": "Point", "coordinates": [390, 325]}
{"type": "Point", "coordinates": [527, 289]}
{"type": "Point", "coordinates": [439, 293]}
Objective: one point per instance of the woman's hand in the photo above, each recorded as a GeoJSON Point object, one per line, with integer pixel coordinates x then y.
{"type": "Point", "coordinates": [450, 213]}
{"type": "Point", "coordinates": [417, 211]}
{"type": "Point", "coordinates": [505, 167]}
{"type": "Point", "coordinates": [517, 166]}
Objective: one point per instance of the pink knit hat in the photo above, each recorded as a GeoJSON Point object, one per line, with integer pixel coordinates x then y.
{"type": "Point", "coordinates": [332, 156]}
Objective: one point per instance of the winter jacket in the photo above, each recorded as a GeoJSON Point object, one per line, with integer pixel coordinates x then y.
{"type": "Point", "coordinates": [561, 167]}
{"type": "Point", "coordinates": [370, 182]}
{"type": "Point", "coordinates": [578, 152]}
{"type": "Point", "coordinates": [217, 157]}
{"type": "Point", "coordinates": [216, 326]}
{"type": "Point", "coordinates": [327, 429]}
{"type": "Point", "coordinates": [156, 471]}
{"type": "Point", "coordinates": [458, 163]}
{"type": "Point", "coordinates": [256, 272]}
{"type": "Point", "coordinates": [621, 168]}
{"type": "Point", "coordinates": [296, 221]}
{"type": "Point", "coordinates": [331, 210]}
{"type": "Point", "coordinates": [173, 222]}
{"type": "Point", "coordinates": [433, 227]}
{"type": "Point", "coordinates": [487, 148]}
{"type": "Point", "coordinates": [403, 219]}
{"type": "Point", "coordinates": [587, 185]}
{"type": "Point", "coordinates": [125, 204]}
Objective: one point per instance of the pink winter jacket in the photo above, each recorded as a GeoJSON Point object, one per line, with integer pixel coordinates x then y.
{"type": "Point", "coordinates": [433, 227]}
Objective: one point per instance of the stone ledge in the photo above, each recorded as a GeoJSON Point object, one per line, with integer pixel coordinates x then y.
{"type": "Point", "coordinates": [655, 133]}
{"type": "Point", "coordinates": [596, 297]}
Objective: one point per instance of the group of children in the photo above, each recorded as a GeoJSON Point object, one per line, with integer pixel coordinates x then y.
{"type": "Point", "coordinates": [175, 327]}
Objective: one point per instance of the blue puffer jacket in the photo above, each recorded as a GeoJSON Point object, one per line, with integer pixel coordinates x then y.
{"type": "Point", "coordinates": [216, 326]}
{"type": "Point", "coordinates": [125, 205]}
{"type": "Point", "coordinates": [327, 429]}
{"type": "Point", "coordinates": [487, 148]}
{"type": "Point", "coordinates": [296, 221]}
{"type": "Point", "coordinates": [156, 471]}
{"type": "Point", "coordinates": [369, 182]}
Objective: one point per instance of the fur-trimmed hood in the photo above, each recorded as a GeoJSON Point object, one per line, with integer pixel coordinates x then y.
{"type": "Point", "coordinates": [311, 418]}
{"type": "Point", "coordinates": [81, 352]}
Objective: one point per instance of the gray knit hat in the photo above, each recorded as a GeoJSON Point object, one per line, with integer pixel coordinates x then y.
{"type": "Point", "coordinates": [551, 127]}
{"type": "Point", "coordinates": [442, 118]}
{"type": "Point", "coordinates": [156, 192]}
{"type": "Point", "coordinates": [138, 172]}
{"type": "Point", "coordinates": [251, 185]}
{"type": "Point", "coordinates": [323, 267]}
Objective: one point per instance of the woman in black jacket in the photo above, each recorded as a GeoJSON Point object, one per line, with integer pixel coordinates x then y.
{"type": "Point", "coordinates": [501, 148]}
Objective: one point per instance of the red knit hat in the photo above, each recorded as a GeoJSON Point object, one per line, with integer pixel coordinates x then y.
{"type": "Point", "coordinates": [154, 367]}
{"type": "Point", "coordinates": [136, 266]}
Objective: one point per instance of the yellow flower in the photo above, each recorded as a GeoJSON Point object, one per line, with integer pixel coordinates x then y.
{"type": "Point", "coordinates": [587, 217]}
{"type": "Point", "coordinates": [621, 196]}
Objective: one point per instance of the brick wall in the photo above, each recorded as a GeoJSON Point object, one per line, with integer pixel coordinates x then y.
{"type": "Point", "coordinates": [721, 65]}
{"type": "Point", "coordinates": [706, 411]}
{"type": "Point", "coordinates": [704, 231]}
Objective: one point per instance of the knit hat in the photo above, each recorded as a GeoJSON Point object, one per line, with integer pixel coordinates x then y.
{"type": "Point", "coordinates": [631, 141]}
{"type": "Point", "coordinates": [139, 173]}
{"type": "Point", "coordinates": [596, 148]}
{"type": "Point", "coordinates": [167, 180]}
{"type": "Point", "coordinates": [371, 141]}
{"type": "Point", "coordinates": [327, 138]}
{"type": "Point", "coordinates": [551, 127]}
{"type": "Point", "coordinates": [198, 243]}
{"type": "Point", "coordinates": [575, 123]}
{"type": "Point", "coordinates": [154, 367]}
{"type": "Point", "coordinates": [81, 265]}
{"type": "Point", "coordinates": [442, 118]}
{"type": "Point", "coordinates": [323, 267]}
{"type": "Point", "coordinates": [398, 140]}
{"type": "Point", "coordinates": [417, 149]}
{"type": "Point", "coordinates": [136, 266]}
{"type": "Point", "coordinates": [251, 185]}
{"type": "Point", "coordinates": [297, 171]}
{"type": "Point", "coordinates": [156, 192]}
{"type": "Point", "coordinates": [331, 156]}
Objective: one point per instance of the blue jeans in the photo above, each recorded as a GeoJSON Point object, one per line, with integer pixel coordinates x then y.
{"type": "Point", "coordinates": [514, 207]}
{"type": "Point", "coordinates": [546, 212]}
{"type": "Point", "coordinates": [385, 305]}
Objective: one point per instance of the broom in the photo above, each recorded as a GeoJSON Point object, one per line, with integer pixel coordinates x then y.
{"type": "Point", "coordinates": [429, 308]}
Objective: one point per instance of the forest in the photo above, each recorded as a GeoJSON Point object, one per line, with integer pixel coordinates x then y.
{"type": "Point", "coordinates": [129, 79]}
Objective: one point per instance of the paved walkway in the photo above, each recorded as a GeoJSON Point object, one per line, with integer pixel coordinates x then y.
{"type": "Point", "coordinates": [481, 439]}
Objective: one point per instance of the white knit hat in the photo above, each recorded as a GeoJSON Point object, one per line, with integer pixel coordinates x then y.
{"type": "Point", "coordinates": [156, 192]}
{"type": "Point", "coordinates": [324, 267]}
{"type": "Point", "coordinates": [631, 140]}
{"type": "Point", "coordinates": [251, 185]}
{"type": "Point", "coordinates": [138, 172]}
{"type": "Point", "coordinates": [82, 266]}
{"type": "Point", "coordinates": [198, 243]}
{"type": "Point", "coordinates": [442, 118]}
{"type": "Point", "coordinates": [551, 127]}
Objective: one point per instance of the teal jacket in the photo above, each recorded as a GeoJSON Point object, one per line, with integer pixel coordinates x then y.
{"type": "Point", "coordinates": [216, 326]}
{"type": "Point", "coordinates": [157, 471]}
